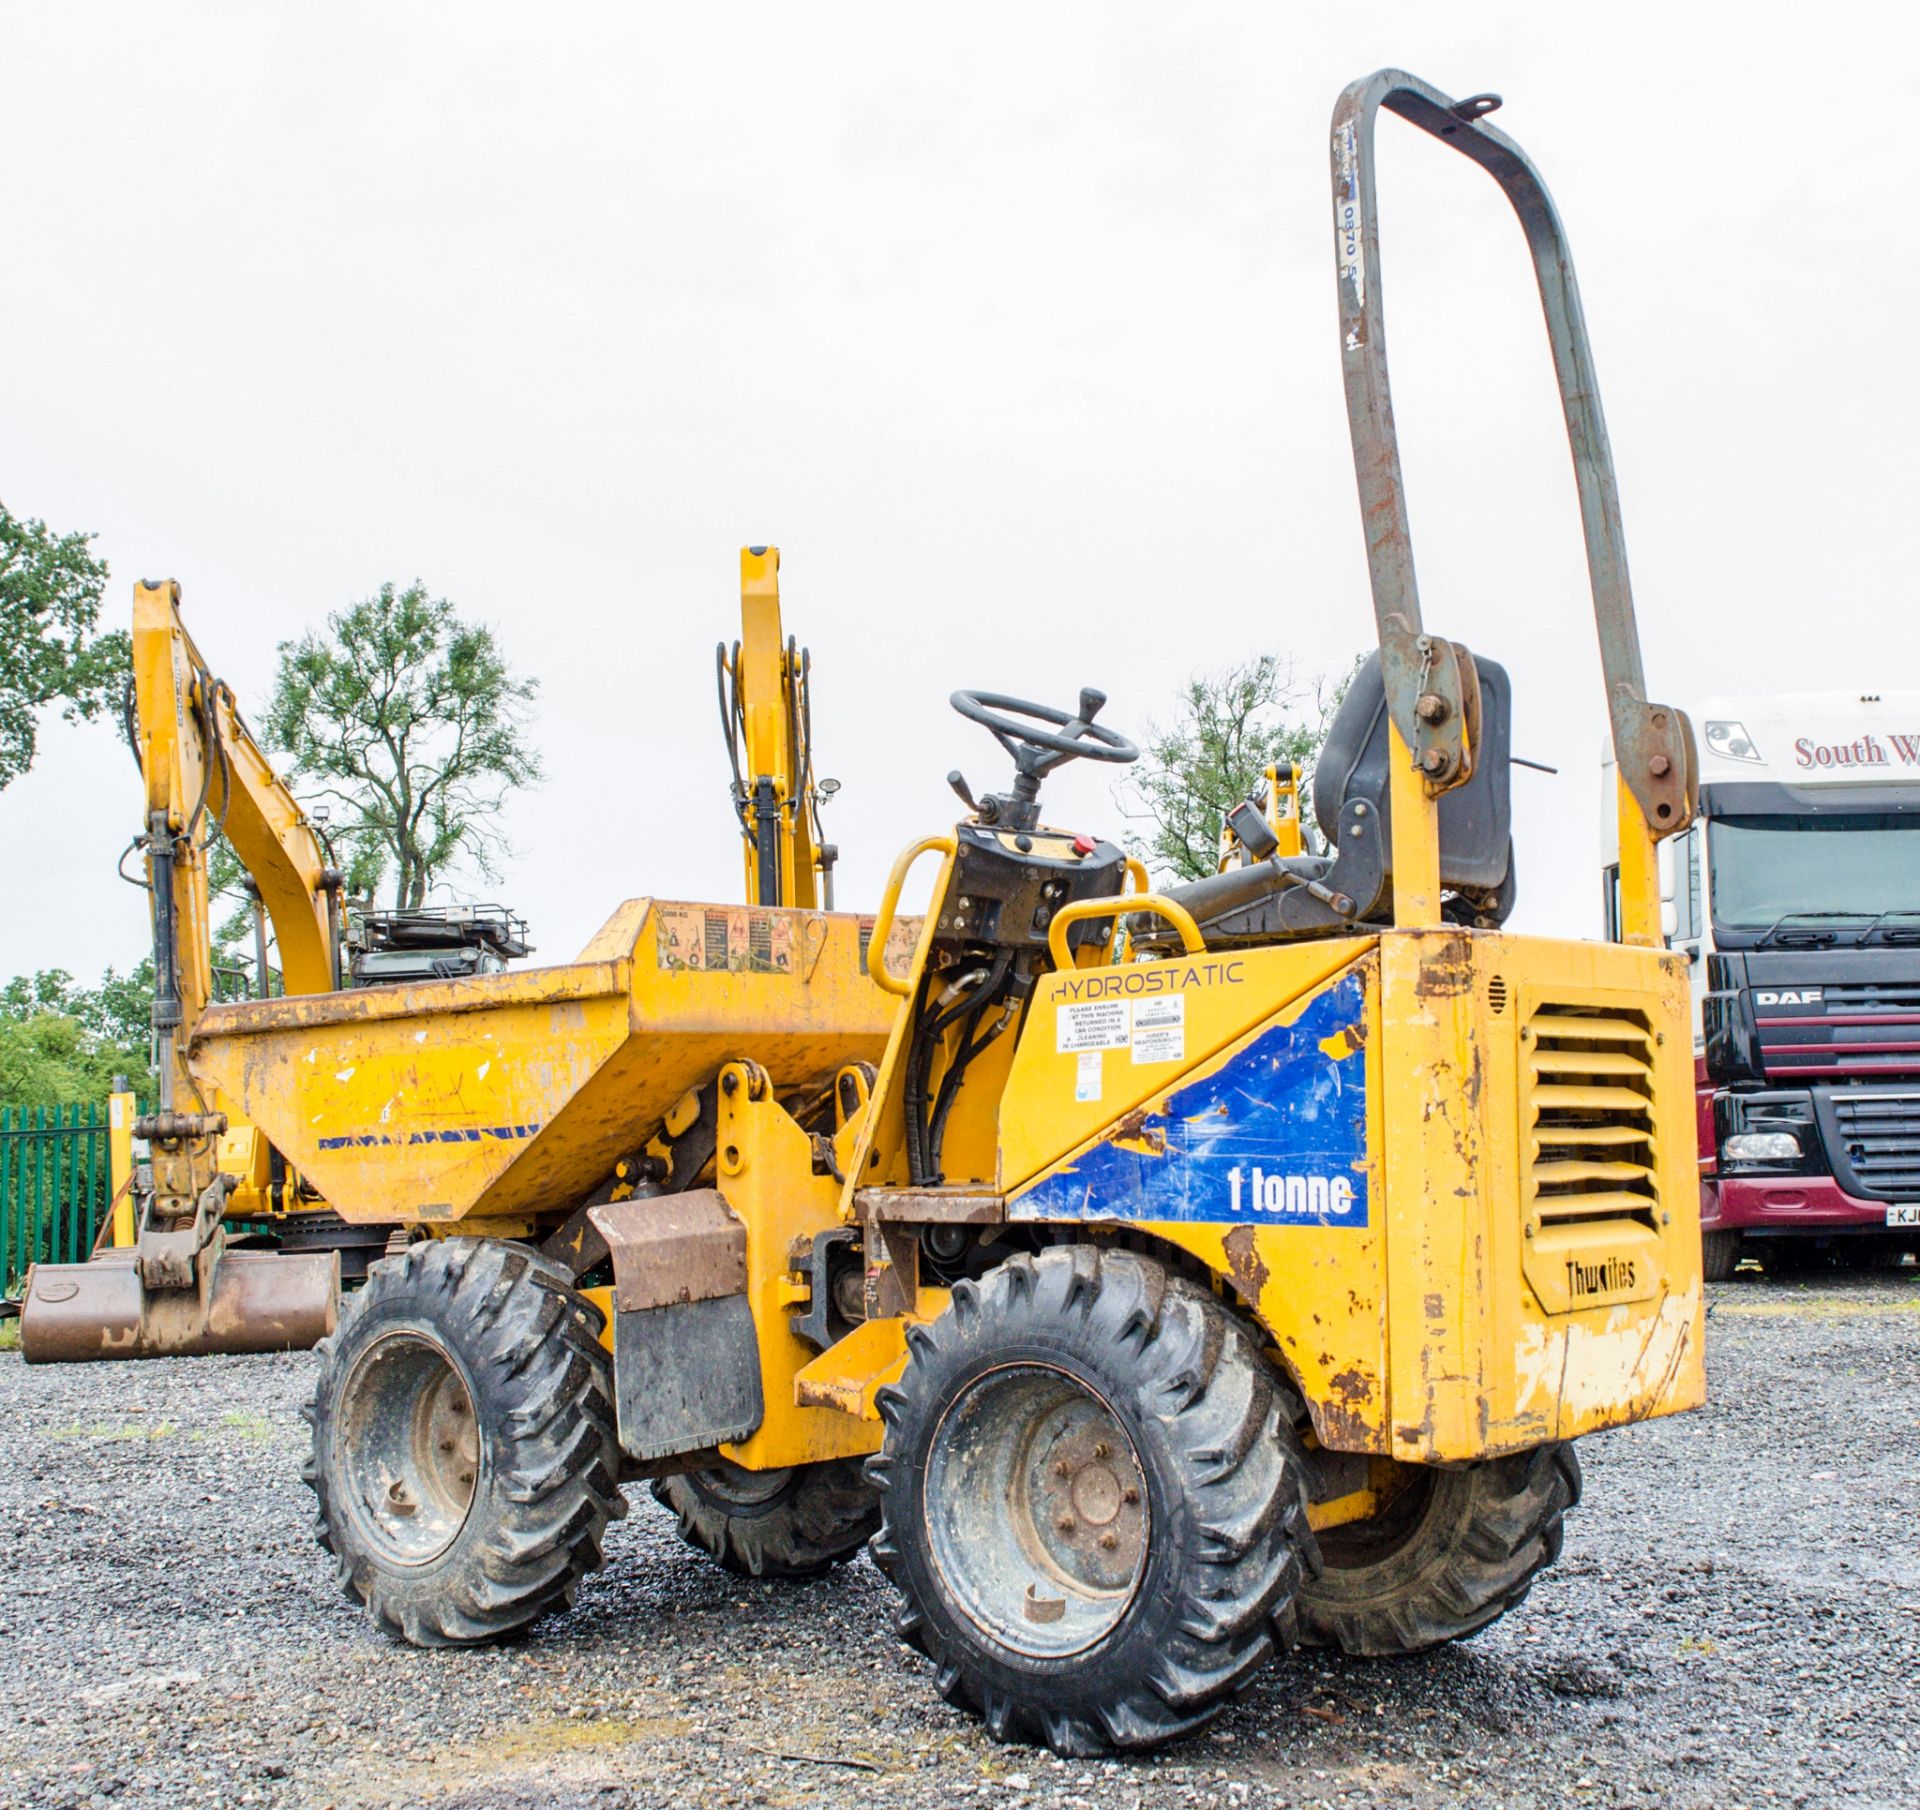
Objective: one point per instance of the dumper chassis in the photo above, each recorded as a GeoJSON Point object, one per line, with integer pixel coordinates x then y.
{"type": "Point", "coordinates": [1161, 1279]}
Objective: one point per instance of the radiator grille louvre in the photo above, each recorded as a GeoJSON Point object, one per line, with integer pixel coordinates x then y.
{"type": "Point", "coordinates": [1588, 1116]}
{"type": "Point", "coordinates": [1881, 1136]}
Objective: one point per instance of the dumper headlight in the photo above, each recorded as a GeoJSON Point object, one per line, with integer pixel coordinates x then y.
{"type": "Point", "coordinates": [1761, 1147]}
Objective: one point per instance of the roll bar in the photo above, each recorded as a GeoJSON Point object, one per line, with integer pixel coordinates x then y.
{"type": "Point", "coordinates": [1432, 694]}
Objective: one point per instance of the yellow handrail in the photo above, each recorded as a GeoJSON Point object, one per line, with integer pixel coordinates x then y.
{"type": "Point", "coordinates": [1177, 915]}
{"type": "Point", "coordinates": [889, 904]}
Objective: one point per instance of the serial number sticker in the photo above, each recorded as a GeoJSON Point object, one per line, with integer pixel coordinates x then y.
{"type": "Point", "coordinates": [1095, 1024]}
{"type": "Point", "coordinates": [1160, 1030]}
{"type": "Point", "coordinates": [1346, 212]}
{"type": "Point", "coordinates": [1087, 1075]}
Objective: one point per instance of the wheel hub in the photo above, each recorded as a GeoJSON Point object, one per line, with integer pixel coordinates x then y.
{"type": "Point", "coordinates": [1037, 1510]}
{"type": "Point", "coordinates": [410, 1447]}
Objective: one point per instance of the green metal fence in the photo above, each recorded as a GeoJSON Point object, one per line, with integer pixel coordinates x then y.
{"type": "Point", "coordinates": [54, 1185]}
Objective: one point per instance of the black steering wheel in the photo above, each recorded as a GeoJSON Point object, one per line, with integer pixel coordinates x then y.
{"type": "Point", "coordinates": [1016, 724]}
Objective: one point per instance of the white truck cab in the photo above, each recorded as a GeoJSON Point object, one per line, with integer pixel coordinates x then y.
{"type": "Point", "coordinates": [1796, 895]}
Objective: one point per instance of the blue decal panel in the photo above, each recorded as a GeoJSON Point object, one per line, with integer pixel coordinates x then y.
{"type": "Point", "coordinates": [465, 1134]}
{"type": "Point", "coordinates": [1275, 1136]}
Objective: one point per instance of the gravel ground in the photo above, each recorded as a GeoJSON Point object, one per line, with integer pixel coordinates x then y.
{"type": "Point", "coordinates": [1735, 1622]}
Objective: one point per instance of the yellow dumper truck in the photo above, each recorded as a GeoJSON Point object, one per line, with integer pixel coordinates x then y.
{"type": "Point", "coordinates": [1159, 1279]}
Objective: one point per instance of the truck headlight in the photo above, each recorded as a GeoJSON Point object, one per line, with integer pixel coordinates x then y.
{"type": "Point", "coordinates": [1761, 1147]}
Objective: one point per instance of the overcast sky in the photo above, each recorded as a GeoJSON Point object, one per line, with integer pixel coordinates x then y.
{"type": "Point", "coordinates": [1014, 328]}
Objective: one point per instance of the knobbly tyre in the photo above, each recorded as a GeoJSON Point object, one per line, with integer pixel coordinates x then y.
{"type": "Point", "coordinates": [1159, 1278]}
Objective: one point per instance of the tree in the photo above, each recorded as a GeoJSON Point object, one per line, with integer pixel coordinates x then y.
{"type": "Point", "coordinates": [62, 1044]}
{"type": "Point", "coordinates": [1229, 727]}
{"type": "Point", "coordinates": [407, 720]}
{"type": "Point", "coordinates": [50, 587]}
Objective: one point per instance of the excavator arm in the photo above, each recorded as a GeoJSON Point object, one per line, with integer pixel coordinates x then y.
{"type": "Point", "coordinates": [205, 772]}
{"type": "Point", "coordinates": [767, 717]}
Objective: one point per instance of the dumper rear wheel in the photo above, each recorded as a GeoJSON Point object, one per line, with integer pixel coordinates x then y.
{"type": "Point", "coordinates": [791, 1523]}
{"type": "Point", "coordinates": [1453, 1550]}
{"type": "Point", "coordinates": [464, 1454]}
{"type": "Point", "coordinates": [1091, 1501]}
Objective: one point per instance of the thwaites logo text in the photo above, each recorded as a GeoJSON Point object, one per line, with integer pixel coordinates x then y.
{"type": "Point", "coordinates": [1607, 1277]}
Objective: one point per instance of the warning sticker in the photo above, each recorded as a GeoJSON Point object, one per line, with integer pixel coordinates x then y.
{"type": "Point", "coordinates": [1087, 1075]}
{"type": "Point", "coordinates": [1160, 1029]}
{"type": "Point", "coordinates": [903, 938]}
{"type": "Point", "coordinates": [1095, 1024]}
{"type": "Point", "coordinates": [725, 939]}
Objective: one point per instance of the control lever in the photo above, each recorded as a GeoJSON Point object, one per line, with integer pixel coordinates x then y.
{"type": "Point", "coordinates": [1336, 902]}
{"type": "Point", "coordinates": [958, 781]}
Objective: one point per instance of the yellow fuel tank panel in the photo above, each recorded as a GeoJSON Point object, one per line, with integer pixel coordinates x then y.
{"type": "Point", "coordinates": [1467, 1216]}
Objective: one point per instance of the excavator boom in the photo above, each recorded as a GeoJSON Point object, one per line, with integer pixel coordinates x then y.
{"type": "Point", "coordinates": [766, 715]}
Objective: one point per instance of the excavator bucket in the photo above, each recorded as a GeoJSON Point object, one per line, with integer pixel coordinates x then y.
{"type": "Point", "coordinates": [241, 1301]}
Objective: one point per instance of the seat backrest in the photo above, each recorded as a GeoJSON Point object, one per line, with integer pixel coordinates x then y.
{"type": "Point", "coordinates": [1476, 820]}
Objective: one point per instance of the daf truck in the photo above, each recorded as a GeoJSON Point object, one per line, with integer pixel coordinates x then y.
{"type": "Point", "coordinates": [1796, 899]}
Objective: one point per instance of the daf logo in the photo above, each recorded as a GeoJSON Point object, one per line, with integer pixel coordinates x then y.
{"type": "Point", "coordinates": [1807, 996]}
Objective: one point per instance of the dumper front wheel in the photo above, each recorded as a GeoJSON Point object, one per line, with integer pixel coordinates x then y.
{"type": "Point", "coordinates": [1451, 1551]}
{"type": "Point", "coordinates": [464, 1455]}
{"type": "Point", "coordinates": [1091, 1502]}
{"type": "Point", "coordinates": [790, 1523]}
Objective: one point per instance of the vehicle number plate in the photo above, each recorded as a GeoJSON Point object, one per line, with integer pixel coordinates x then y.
{"type": "Point", "coordinates": [1904, 1213]}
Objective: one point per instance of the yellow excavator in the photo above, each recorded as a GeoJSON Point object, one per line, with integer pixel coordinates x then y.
{"type": "Point", "coordinates": [169, 1284]}
{"type": "Point", "coordinates": [170, 1279]}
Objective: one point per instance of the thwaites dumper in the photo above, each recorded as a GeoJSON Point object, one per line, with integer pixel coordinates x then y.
{"type": "Point", "coordinates": [1188, 1274]}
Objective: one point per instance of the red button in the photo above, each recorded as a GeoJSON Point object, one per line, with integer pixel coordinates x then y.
{"type": "Point", "coordinates": [1084, 845]}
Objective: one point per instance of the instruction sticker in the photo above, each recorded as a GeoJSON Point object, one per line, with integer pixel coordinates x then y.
{"type": "Point", "coordinates": [1087, 1075]}
{"type": "Point", "coordinates": [1160, 1029]}
{"type": "Point", "coordinates": [1095, 1024]}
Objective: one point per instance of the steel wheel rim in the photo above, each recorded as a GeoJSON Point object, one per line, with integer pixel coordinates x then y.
{"type": "Point", "coordinates": [410, 1447]}
{"type": "Point", "coordinates": [740, 1492]}
{"type": "Point", "coordinates": [1036, 1509]}
{"type": "Point", "coordinates": [1389, 1531]}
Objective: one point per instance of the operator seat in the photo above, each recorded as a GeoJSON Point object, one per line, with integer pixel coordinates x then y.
{"type": "Point", "coordinates": [1270, 901]}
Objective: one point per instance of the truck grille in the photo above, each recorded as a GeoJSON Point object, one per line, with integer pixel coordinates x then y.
{"type": "Point", "coordinates": [1880, 1134]}
{"type": "Point", "coordinates": [1865, 1031]}
{"type": "Point", "coordinates": [1588, 1116]}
